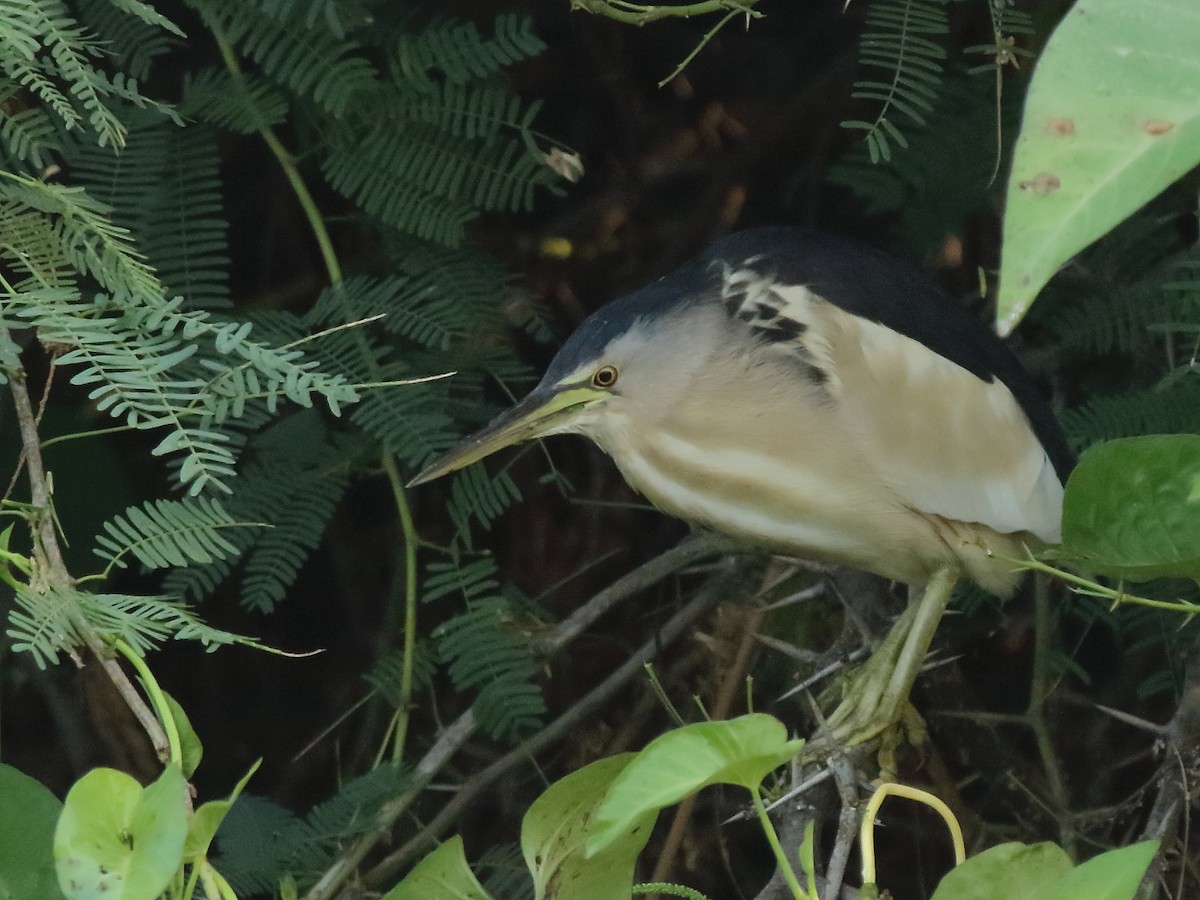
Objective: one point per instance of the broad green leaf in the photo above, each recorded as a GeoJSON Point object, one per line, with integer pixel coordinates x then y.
{"type": "Point", "coordinates": [1112, 118]}
{"type": "Point", "coordinates": [553, 835]}
{"type": "Point", "coordinates": [1005, 872]}
{"type": "Point", "coordinates": [1129, 509]}
{"type": "Point", "coordinates": [118, 841]}
{"type": "Point", "coordinates": [27, 816]}
{"type": "Point", "coordinates": [444, 874]}
{"type": "Point", "coordinates": [192, 749]}
{"type": "Point", "coordinates": [1114, 875]}
{"type": "Point", "coordinates": [739, 751]}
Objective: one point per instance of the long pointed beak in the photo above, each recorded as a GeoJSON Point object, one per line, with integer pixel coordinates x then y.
{"type": "Point", "coordinates": [546, 410]}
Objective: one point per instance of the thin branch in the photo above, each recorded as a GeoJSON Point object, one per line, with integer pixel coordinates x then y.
{"type": "Point", "coordinates": [461, 730]}
{"type": "Point", "coordinates": [675, 627]}
{"type": "Point", "coordinates": [51, 569]}
{"type": "Point", "coordinates": [644, 13]}
{"type": "Point", "coordinates": [1182, 758]}
{"type": "Point", "coordinates": [847, 785]}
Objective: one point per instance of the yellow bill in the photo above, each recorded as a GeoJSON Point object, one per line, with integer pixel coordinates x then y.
{"type": "Point", "coordinates": [547, 410]}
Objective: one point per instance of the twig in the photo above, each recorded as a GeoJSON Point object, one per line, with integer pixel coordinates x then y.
{"type": "Point", "coordinates": [644, 13]}
{"type": "Point", "coordinates": [729, 689]}
{"type": "Point", "coordinates": [51, 570]}
{"type": "Point", "coordinates": [1035, 713]}
{"type": "Point", "coordinates": [690, 550]}
{"type": "Point", "coordinates": [457, 734]}
{"type": "Point", "coordinates": [705, 599]}
{"type": "Point", "coordinates": [847, 785]}
{"type": "Point", "coordinates": [1182, 759]}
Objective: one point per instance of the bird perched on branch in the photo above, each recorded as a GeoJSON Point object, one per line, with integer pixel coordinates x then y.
{"type": "Point", "coordinates": [811, 396]}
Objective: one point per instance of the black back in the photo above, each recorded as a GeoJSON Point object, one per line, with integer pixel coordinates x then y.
{"type": "Point", "coordinates": [855, 277]}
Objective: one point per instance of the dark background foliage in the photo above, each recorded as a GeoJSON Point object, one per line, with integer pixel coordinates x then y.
{"type": "Point", "coordinates": [748, 134]}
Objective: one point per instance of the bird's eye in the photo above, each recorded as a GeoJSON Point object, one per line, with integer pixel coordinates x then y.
{"type": "Point", "coordinates": [605, 377]}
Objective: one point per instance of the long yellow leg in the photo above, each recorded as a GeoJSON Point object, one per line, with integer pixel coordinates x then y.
{"type": "Point", "coordinates": [879, 693]}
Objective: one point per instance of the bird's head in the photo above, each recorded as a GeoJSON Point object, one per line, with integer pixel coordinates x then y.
{"type": "Point", "coordinates": [625, 364]}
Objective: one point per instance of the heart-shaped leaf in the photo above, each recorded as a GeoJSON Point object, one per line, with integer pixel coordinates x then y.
{"type": "Point", "coordinates": [116, 840]}
{"type": "Point", "coordinates": [739, 751]}
{"type": "Point", "coordinates": [554, 831]}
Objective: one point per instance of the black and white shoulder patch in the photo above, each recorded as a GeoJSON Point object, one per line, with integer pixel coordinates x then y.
{"type": "Point", "coordinates": [781, 315]}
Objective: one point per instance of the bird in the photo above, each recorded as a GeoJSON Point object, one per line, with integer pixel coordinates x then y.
{"type": "Point", "coordinates": [810, 395]}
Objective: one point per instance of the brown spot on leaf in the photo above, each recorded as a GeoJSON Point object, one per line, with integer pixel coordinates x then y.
{"type": "Point", "coordinates": [1042, 183]}
{"type": "Point", "coordinates": [1158, 126]}
{"type": "Point", "coordinates": [1061, 125]}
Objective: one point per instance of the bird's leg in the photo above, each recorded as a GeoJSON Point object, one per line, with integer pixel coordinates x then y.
{"type": "Point", "coordinates": [878, 695]}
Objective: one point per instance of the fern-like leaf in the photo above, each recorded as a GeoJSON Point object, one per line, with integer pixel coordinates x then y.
{"type": "Point", "coordinates": [164, 533]}
{"type": "Point", "coordinates": [487, 652]}
{"type": "Point", "coordinates": [164, 189]}
{"type": "Point", "coordinates": [461, 53]}
{"type": "Point", "coordinates": [897, 42]}
{"type": "Point", "coordinates": [242, 104]}
{"type": "Point", "coordinates": [310, 61]}
{"type": "Point", "coordinates": [47, 624]}
{"type": "Point", "coordinates": [1103, 418]}
{"type": "Point", "coordinates": [28, 135]}
{"type": "Point", "coordinates": [134, 40]}
{"type": "Point", "coordinates": [477, 496]}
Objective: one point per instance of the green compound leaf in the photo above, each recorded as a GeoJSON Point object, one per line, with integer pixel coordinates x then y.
{"type": "Point", "coordinates": [1130, 510]}
{"type": "Point", "coordinates": [740, 751]}
{"type": "Point", "coordinates": [1112, 118]}
{"type": "Point", "coordinates": [27, 816]}
{"type": "Point", "coordinates": [444, 874]}
{"type": "Point", "coordinates": [118, 841]}
{"type": "Point", "coordinates": [554, 832]}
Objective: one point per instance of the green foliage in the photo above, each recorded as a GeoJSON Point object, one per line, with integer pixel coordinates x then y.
{"type": "Point", "coordinates": [938, 180]}
{"type": "Point", "coordinates": [443, 873]}
{"type": "Point", "coordinates": [27, 822]}
{"type": "Point", "coordinates": [741, 751]}
{"type": "Point", "coordinates": [553, 833]}
{"type": "Point", "coordinates": [1112, 118]}
{"type": "Point", "coordinates": [308, 60]}
{"type": "Point", "coordinates": [581, 838]}
{"type": "Point", "coordinates": [460, 53]}
{"type": "Point", "coordinates": [487, 648]}
{"type": "Point", "coordinates": [898, 42]}
{"type": "Point", "coordinates": [117, 839]}
{"type": "Point", "coordinates": [260, 842]}
{"type": "Point", "coordinates": [168, 533]}
{"type": "Point", "coordinates": [1130, 508]}
{"type": "Point", "coordinates": [47, 623]}
{"type": "Point", "coordinates": [1044, 872]}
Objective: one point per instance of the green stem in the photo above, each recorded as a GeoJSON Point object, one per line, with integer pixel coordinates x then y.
{"type": "Point", "coordinates": [789, 873]}
{"type": "Point", "coordinates": [287, 163]}
{"type": "Point", "coordinates": [1091, 588]}
{"type": "Point", "coordinates": [189, 890]}
{"type": "Point", "coordinates": [157, 698]}
{"type": "Point", "coordinates": [641, 13]}
{"type": "Point", "coordinates": [410, 602]}
{"type": "Point", "coordinates": [95, 432]}
{"type": "Point", "coordinates": [708, 36]}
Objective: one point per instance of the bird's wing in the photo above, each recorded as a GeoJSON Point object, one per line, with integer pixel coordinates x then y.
{"type": "Point", "coordinates": [948, 442]}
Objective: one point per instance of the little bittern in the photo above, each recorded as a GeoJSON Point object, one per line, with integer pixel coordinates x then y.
{"type": "Point", "coordinates": [812, 396]}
